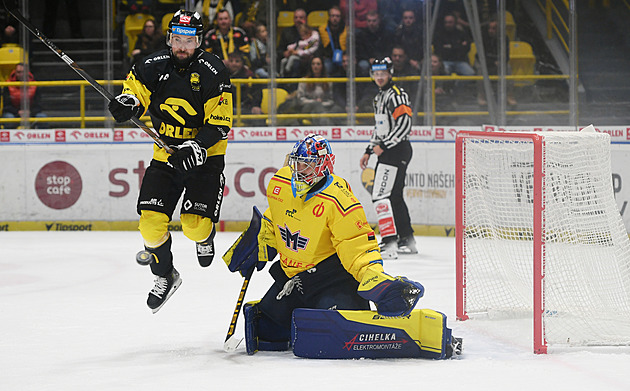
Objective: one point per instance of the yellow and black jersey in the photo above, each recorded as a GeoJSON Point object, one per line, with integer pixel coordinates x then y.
{"type": "Point", "coordinates": [313, 227]}
{"type": "Point", "coordinates": [190, 103]}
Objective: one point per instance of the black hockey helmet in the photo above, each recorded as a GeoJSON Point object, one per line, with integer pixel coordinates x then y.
{"type": "Point", "coordinates": [185, 23]}
{"type": "Point", "coordinates": [382, 64]}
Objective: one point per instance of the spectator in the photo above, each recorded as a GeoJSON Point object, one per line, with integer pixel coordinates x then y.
{"type": "Point", "coordinates": [208, 9]}
{"type": "Point", "coordinates": [150, 40]}
{"type": "Point", "coordinates": [9, 33]}
{"type": "Point", "coordinates": [226, 39]}
{"type": "Point", "coordinates": [300, 52]}
{"type": "Point", "coordinates": [251, 95]}
{"type": "Point", "coordinates": [290, 35]}
{"type": "Point", "coordinates": [372, 42]}
{"type": "Point", "coordinates": [12, 98]}
{"type": "Point", "coordinates": [410, 36]}
{"type": "Point", "coordinates": [258, 52]}
{"type": "Point", "coordinates": [362, 9]}
{"type": "Point", "coordinates": [402, 67]}
{"type": "Point", "coordinates": [333, 36]}
{"type": "Point", "coordinates": [452, 45]}
{"type": "Point", "coordinates": [364, 92]}
{"type": "Point", "coordinates": [491, 51]}
{"type": "Point", "coordinates": [437, 69]}
{"type": "Point", "coordinates": [316, 98]}
{"type": "Point", "coordinates": [254, 12]}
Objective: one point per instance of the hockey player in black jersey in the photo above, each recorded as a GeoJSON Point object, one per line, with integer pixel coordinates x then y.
{"type": "Point", "coordinates": [188, 95]}
{"type": "Point", "coordinates": [390, 143]}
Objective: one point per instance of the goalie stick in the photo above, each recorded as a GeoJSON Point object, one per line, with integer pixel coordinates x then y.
{"type": "Point", "coordinates": [231, 341]}
{"type": "Point", "coordinates": [11, 7]}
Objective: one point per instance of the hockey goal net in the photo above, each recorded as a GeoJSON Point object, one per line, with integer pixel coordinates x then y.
{"type": "Point", "coordinates": [539, 234]}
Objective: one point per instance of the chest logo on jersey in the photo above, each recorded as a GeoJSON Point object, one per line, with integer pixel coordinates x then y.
{"type": "Point", "coordinates": [172, 106]}
{"type": "Point", "coordinates": [293, 241]}
{"type": "Point", "coordinates": [318, 210]}
{"type": "Point", "coordinates": [195, 81]}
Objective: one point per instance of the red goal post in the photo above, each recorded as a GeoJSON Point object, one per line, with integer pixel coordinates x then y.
{"type": "Point", "coordinates": [538, 234]}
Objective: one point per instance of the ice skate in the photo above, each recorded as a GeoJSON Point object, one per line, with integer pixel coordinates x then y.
{"type": "Point", "coordinates": [389, 249]}
{"type": "Point", "coordinates": [407, 245]}
{"type": "Point", "coordinates": [205, 249]}
{"type": "Point", "coordinates": [163, 290]}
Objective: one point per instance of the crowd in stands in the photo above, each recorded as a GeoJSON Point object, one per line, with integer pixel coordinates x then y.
{"type": "Point", "coordinates": [237, 32]}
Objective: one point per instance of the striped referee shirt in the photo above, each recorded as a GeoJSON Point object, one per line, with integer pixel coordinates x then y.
{"type": "Point", "coordinates": [392, 114]}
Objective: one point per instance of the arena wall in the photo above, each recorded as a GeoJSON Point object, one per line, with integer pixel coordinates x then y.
{"type": "Point", "coordinates": [88, 179]}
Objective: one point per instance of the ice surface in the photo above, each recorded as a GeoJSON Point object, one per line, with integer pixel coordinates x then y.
{"type": "Point", "coordinates": [73, 317]}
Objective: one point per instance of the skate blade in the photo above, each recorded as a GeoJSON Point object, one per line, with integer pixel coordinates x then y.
{"type": "Point", "coordinates": [232, 343]}
{"type": "Point", "coordinates": [175, 287]}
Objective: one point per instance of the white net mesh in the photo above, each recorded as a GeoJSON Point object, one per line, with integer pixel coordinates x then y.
{"type": "Point", "coordinates": [586, 254]}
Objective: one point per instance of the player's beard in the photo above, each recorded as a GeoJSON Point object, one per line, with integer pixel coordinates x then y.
{"type": "Point", "coordinates": [181, 57]}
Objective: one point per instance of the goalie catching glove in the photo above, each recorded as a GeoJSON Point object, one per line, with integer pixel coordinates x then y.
{"type": "Point", "coordinates": [393, 296]}
{"type": "Point", "coordinates": [188, 155]}
{"type": "Point", "coordinates": [124, 107]}
{"type": "Point", "coordinates": [252, 248]}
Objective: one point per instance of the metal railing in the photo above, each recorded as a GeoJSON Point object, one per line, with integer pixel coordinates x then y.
{"type": "Point", "coordinates": [239, 117]}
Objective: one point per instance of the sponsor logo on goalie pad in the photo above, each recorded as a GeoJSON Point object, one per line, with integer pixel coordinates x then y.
{"type": "Point", "coordinates": [365, 334]}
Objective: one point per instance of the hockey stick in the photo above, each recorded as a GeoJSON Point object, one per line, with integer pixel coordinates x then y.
{"type": "Point", "coordinates": [231, 341]}
{"type": "Point", "coordinates": [11, 7]}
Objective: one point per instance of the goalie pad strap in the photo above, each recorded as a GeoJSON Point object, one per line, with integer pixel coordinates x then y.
{"type": "Point", "coordinates": [334, 334]}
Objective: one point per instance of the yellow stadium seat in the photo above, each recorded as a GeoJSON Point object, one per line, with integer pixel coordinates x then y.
{"type": "Point", "coordinates": [10, 56]}
{"type": "Point", "coordinates": [285, 19]}
{"type": "Point", "coordinates": [281, 96]}
{"type": "Point", "coordinates": [165, 21]}
{"type": "Point", "coordinates": [317, 18]}
{"type": "Point", "coordinates": [510, 26]}
{"type": "Point", "coordinates": [522, 61]}
{"type": "Point", "coordinates": [133, 27]}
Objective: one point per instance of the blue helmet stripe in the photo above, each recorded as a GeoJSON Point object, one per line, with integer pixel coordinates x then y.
{"type": "Point", "coordinates": [184, 30]}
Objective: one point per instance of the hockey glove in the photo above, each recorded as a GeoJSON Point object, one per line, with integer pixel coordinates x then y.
{"type": "Point", "coordinates": [393, 296]}
{"type": "Point", "coordinates": [188, 155]}
{"type": "Point", "coordinates": [251, 249]}
{"type": "Point", "coordinates": [125, 106]}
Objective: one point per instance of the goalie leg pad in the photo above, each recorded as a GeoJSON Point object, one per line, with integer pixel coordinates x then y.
{"type": "Point", "coordinates": [256, 325]}
{"type": "Point", "coordinates": [334, 334]}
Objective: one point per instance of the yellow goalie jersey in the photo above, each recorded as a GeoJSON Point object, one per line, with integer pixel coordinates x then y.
{"type": "Point", "coordinates": [313, 227]}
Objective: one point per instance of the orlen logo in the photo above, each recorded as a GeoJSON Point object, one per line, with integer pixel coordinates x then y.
{"type": "Point", "coordinates": [281, 134]}
{"type": "Point", "coordinates": [60, 136]}
{"type": "Point", "coordinates": [58, 185]}
{"type": "Point", "coordinates": [5, 137]}
{"type": "Point", "coordinates": [627, 133]}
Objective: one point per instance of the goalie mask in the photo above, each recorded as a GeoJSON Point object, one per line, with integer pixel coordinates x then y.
{"type": "Point", "coordinates": [310, 161]}
{"type": "Point", "coordinates": [185, 24]}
